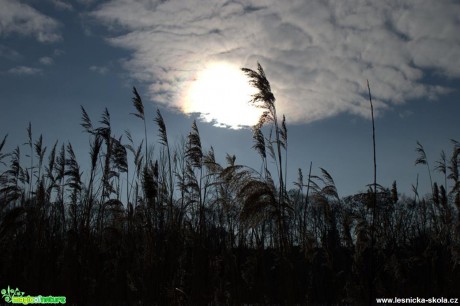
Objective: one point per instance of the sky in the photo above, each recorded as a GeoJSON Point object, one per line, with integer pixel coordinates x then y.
{"type": "Point", "coordinates": [184, 57]}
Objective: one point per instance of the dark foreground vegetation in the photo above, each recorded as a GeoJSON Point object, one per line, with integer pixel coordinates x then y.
{"type": "Point", "coordinates": [173, 226]}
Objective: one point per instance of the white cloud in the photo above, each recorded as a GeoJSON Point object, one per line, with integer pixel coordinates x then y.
{"type": "Point", "coordinates": [99, 69]}
{"type": "Point", "coordinates": [46, 60]}
{"type": "Point", "coordinates": [24, 70]}
{"type": "Point", "coordinates": [19, 18]}
{"type": "Point", "coordinates": [317, 54]}
{"type": "Point", "coordinates": [63, 5]}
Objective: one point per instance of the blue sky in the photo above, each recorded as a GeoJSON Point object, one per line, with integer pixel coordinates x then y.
{"type": "Point", "coordinates": [58, 55]}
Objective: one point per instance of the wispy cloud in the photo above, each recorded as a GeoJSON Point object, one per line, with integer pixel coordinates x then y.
{"type": "Point", "coordinates": [9, 53]}
{"type": "Point", "coordinates": [24, 70]}
{"type": "Point", "coordinates": [46, 60]}
{"type": "Point", "coordinates": [62, 5]}
{"type": "Point", "coordinates": [99, 69]}
{"type": "Point", "coordinates": [316, 54]}
{"type": "Point", "coordinates": [19, 18]}
{"type": "Point", "coordinates": [86, 2]}
{"type": "Point", "coordinates": [58, 52]}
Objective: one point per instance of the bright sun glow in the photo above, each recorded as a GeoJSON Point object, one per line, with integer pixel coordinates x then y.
{"type": "Point", "coordinates": [221, 94]}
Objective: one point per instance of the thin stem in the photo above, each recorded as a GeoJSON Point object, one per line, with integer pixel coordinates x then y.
{"type": "Point", "coordinates": [374, 204]}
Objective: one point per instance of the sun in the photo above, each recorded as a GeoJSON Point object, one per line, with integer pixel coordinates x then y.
{"type": "Point", "coordinates": [221, 94]}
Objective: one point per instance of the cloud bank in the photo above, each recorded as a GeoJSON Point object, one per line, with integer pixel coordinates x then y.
{"type": "Point", "coordinates": [316, 54]}
{"type": "Point", "coordinates": [19, 18]}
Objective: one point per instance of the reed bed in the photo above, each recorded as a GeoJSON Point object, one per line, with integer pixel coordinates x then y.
{"type": "Point", "coordinates": [174, 226]}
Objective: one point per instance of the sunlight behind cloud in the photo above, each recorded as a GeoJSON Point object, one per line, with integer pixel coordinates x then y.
{"type": "Point", "coordinates": [317, 54]}
{"type": "Point", "coordinates": [221, 94]}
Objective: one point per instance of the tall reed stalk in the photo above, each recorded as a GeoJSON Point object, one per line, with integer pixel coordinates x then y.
{"type": "Point", "coordinates": [374, 205]}
{"type": "Point", "coordinates": [265, 100]}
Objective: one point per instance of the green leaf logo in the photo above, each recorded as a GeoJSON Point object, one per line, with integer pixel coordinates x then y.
{"type": "Point", "coordinates": [9, 293]}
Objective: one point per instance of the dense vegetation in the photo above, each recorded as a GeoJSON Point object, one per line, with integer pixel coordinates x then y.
{"type": "Point", "coordinates": [173, 226]}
